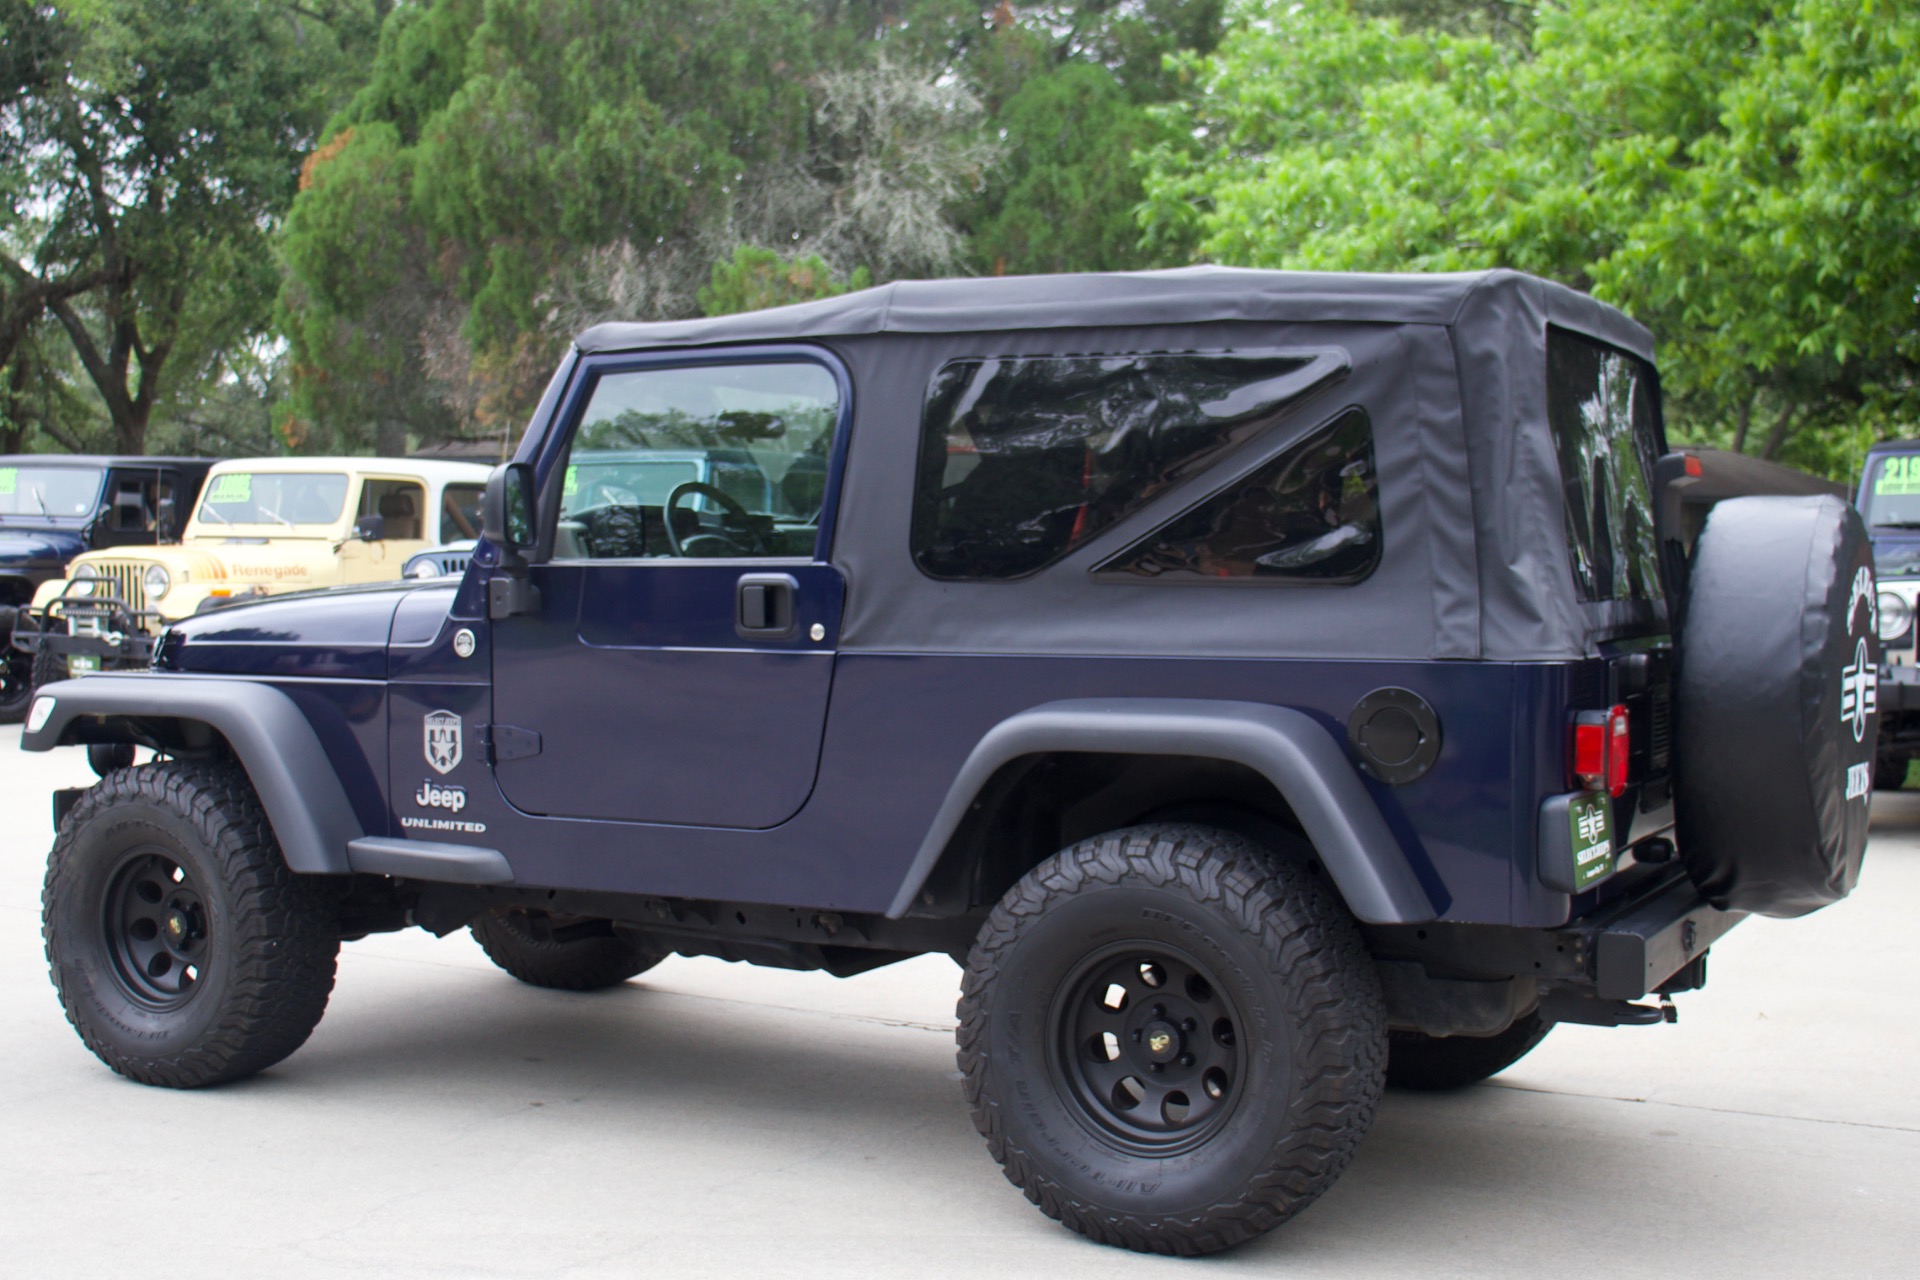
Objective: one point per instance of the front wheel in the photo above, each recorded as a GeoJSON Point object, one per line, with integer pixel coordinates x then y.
{"type": "Point", "coordinates": [1171, 1040]}
{"type": "Point", "coordinates": [184, 951]}
{"type": "Point", "coordinates": [16, 681]}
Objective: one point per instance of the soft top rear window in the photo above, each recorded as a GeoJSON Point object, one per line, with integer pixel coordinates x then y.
{"type": "Point", "coordinates": [1602, 406]}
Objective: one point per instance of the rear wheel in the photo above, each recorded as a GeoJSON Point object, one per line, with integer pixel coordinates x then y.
{"type": "Point", "coordinates": [1417, 1061]}
{"type": "Point", "coordinates": [1171, 1040]}
{"type": "Point", "coordinates": [550, 954]}
{"type": "Point", "coordinates": [184, 951]}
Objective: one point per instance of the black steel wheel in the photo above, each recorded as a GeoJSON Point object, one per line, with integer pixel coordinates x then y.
{"type": "Point", "coordinates": [1434, 1063]}
{"type": "Point", "coordinates": [184, 951]}
{"type": "Point", "coordinates": [1172, 1039]}
{"type": "Point", "coordinates": [1147, 1042]}
{"type": "Point", "coordinates": [566, 955]}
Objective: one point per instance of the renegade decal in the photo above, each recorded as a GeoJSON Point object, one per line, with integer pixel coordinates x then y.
{"type": "Point", "coordinates": [431, 795]}
{"type": "Point", "coordinates": [442, 732]}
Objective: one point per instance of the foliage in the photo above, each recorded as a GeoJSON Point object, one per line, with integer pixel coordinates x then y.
{"type": "Point", "coordinates": [148, 148]}
{"type": "Point", "coordinates": [754, 278]}
{"type": "Point", "coordinates": [1740, 175]}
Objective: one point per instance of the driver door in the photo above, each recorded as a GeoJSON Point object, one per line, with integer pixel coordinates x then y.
{"type": "Point", "coordinates": [678, 668]}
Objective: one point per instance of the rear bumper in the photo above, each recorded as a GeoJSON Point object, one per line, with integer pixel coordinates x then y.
{"type": "Point", "coordinates": [1624, 951]}
{"type": "Point", "coordinates": [1641, 942]}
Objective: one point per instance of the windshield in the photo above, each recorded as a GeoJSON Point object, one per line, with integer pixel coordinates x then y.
{"type": "Point", "coordinates": [286, 498]}
{"type": "Point", "coordinates": [40, 492]}
{"type": "Point", "coordinates": [1893, 491]}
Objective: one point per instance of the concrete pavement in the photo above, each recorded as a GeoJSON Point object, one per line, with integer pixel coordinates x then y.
{"type": "Point", "coordinates": [715, 1120]}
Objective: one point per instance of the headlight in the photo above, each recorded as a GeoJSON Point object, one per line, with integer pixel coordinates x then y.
{"type": "Point", "coordinates": [424, 567]}
{"type": "Point", "coordinates": [82, 582]}
{"type": "Point", "coordinates": [1895, 615]}
{"type": "Point", "coordinates": [156, 581]}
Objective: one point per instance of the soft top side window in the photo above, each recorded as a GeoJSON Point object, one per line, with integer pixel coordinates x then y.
{"type": "Point", "coordinates": [1022, 459]}
{"type": "Point", "coordinates": [1312, 514]}
{"type": "Point", "coordinates": [1601, 406]}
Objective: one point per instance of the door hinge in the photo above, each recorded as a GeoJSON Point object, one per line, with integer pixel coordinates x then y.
{"type": "Point", "coordinates": [510, 742]}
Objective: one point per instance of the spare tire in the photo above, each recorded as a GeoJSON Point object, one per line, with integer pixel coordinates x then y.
{"type": "Point", "coordinates": [1775, 719]}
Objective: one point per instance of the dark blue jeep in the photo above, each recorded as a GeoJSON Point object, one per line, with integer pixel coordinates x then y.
{"type": "Point", "coordinates": [53, 507]}
{"type": "Point", "coordinates": [1267, 686]}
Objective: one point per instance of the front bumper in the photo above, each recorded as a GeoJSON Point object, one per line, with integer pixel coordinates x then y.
{"type": "Point", "coordinates": [1899, 688]}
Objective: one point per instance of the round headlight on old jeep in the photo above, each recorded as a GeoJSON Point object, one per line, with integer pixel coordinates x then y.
{"type": "Point", "coordinates": [1895, 616]}
{"type": "Point", "coordinates": [156, 581]}
{"type": "Point", "coordinates": [422, 567]}
{"type": "Point", "coordinates": [83, 580]}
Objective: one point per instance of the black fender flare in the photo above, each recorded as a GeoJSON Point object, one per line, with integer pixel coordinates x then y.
{"type": "Point", "coordinates": [1298, 755]}
{"type": "Point", "coordinates": [304, 799]}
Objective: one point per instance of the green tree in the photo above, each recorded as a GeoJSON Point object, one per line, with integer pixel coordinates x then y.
{"type": "Point", "coordinates": [1740, 175]}
{"type": "Point", "coordinates": [516, 169]}
{"type": "Point", "coordinates": [1069, 91]}
{"type": "Point", "coordinates": [150, 146]}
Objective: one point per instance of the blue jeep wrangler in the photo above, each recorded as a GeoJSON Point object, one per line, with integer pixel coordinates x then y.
{"type": "Point", "coordinates": [52, 508]}
{"type": "Point", "coordinates": [1268, 687]}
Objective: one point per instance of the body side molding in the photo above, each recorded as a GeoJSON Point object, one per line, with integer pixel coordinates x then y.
{"type": "Point", "coordinates": [305, 803]}
{"type": "Point", "coordinates": [1287, 747]}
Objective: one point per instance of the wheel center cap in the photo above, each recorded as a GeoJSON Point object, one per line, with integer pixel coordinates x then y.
{"type": "Point", "coordinates": [176, 925]}
{"type": "Point", "coordinates": [1162, 1041]}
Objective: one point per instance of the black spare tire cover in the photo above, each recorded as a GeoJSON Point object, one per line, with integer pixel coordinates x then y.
{"type": "Point", "coordinates": [1775, 716]}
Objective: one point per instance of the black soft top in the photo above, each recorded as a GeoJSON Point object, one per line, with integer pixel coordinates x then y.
{"type": "Point", "coordinates": [1450, 368]}
{"type": "Point", "coordinates": [1189, 295]}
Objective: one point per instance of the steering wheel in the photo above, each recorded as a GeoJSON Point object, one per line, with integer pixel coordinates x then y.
{"type": "Point", "coordinates": [730, 508]}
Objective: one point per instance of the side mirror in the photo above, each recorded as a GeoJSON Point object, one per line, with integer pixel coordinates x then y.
{"type": "Point", "coordinates": [370, 528]}
{"type": "Point", "coordinates": [507, 520]}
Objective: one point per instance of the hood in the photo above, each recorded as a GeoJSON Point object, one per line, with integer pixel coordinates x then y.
{"type": "Point", "coordinates": [338, 634]}
{"type": "Point", "coordinates": [38, 549]}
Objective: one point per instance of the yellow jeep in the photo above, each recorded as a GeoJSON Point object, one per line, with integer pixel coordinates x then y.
{"type": "Point", "coordinates": [263, 526]}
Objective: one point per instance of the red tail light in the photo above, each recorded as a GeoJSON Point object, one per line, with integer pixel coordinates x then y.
{"type": "Point", "coordinates": [1600, 750]}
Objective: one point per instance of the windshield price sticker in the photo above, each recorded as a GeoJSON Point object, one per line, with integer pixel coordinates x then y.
{"type": "Point", "coordinates": [9, 479]}
{"type": "Point", "coordinates": [1898, 476]}
{"type": "Point", "coordinates": [1591, 817]}
{"type": "Point", "coordinates": [235, 486]}
{"type": "Point", "coordinates": [571, 485]}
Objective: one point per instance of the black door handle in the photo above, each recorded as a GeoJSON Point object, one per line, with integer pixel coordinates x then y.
{"type": "Point", "coordinates": [763, 606]}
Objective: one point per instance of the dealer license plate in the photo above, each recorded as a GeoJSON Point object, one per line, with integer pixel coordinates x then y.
{"type": "Point", "coordinates": [1592, 819]}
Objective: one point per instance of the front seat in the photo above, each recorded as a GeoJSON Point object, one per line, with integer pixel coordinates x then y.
{"type": "Point", "coordinates": [401, 516]}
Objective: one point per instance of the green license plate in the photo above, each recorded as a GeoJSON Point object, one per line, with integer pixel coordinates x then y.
{"type": "Point", "coordinates": [80, 664]}
{"type": "Point", "coordinates": [1591, 817]}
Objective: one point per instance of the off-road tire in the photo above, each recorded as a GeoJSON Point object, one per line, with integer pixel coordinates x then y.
{"type": "Point", "coordinates": [582, 964]}
{"type": "Point", "coordinates": [49, 666]}
{"type": "Point", "coordinates": [16, 681]}
{"type": "Point", "coordinates": [1438, 1063]}
{"type": "Point", "coordinates": [1282, 955]}
{"type": "Point", "coordinates": [266, 943]}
